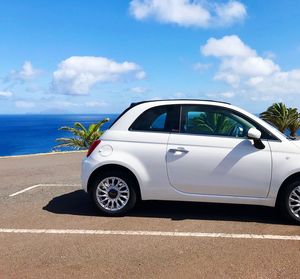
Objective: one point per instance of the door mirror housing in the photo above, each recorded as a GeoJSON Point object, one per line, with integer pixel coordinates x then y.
{"type": "Point", "coordinates": [254, 134]}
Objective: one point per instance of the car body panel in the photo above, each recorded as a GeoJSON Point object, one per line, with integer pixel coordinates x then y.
{"type": "Point", "coordinates": [143, 155]}
{"type": "Point", "coordinates": [244, 174]}
{"type": "Point", "coordinates": [286, 162]}
{"type": "Point", "coordinates": [219, 166]}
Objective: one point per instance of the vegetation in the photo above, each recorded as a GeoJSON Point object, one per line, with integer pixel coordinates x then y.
{"type": "Point", "coordinates": [283, 118]}
{"type": "Point", "coordinates": [278, 115]}
{"type": "Point", "coordinates": [294, 125]}
{"type": "Point", "coordinates": [213, 123]}
{"type": "Point", "coordinates": [83, 137]}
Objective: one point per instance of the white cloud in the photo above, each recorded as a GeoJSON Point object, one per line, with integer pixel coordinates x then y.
{"type": "Point", "coordinates": [95, 104]}
{"type": "Point", "coordinates": [222, 95]}
{"type": "Point", "coordinates": [278, 83]}
{"type": "Point", "coordinates": [269, 54]}
{"type": "Point", "coordinates": [6, 94]}
{"type": "Point", "coordinates": [35, 88]}
{"type": "Point", "coordinates": [26, 73]}
{"type": "Point", "coordinates": [24, 104]}
{"type": "Point", "coordinates": [250, 66]}
{"type": "Point", "coordinates": [138, 90]}
{"type": "Point", "coordinates": [78, 74]}
{"type": "Point", "coordinates": [229, 78]}
{"type": "Point", "coordinates": [189, 13]}
{"type": "Point", "coordinates": [140, 75]}
{"type": "Point", "coordinates": [50, 103]}
{"type": "Point", "coordinates": [230, 12]}
{"type": "Point", "coordinates": [181, 12]}
{"type": "Point", "coordinates": [228, 94]}
{"type": "Point", "coordinates": [245, 71]}
{"type": "Point", "coordinates": [228, 46]}
{"type": "Point", "coordinates": [64, 104]}
{"type": "Point", "coordinates": [237, 59]}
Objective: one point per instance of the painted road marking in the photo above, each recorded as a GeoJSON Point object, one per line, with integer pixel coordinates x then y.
{"type": "Point", "coordinates": [153, 233]}
{"type": "Point", "coordinates": [43, 185]}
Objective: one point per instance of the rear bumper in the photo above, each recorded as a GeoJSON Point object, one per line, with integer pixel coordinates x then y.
{"type": "Point", "coordinates": [87, 167]}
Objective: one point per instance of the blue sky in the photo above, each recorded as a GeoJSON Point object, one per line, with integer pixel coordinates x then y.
{"type": "Point", "coordinates": [99, 56]}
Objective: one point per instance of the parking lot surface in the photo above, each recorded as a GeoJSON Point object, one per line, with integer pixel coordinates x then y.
{"type": "Point", "coordinates": [49, 229]}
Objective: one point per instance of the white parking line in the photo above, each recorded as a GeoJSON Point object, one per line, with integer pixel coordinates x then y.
{"type": "Point", "coordinates": [43, 185]}
{"type": "Point", "coordinates": [153, 233]}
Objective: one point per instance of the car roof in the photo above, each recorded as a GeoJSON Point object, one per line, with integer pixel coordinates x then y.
{"type": "Point", "coordinates": [172, 100]}
{"type": "Point", "coordinates": [164, 101]}
{"type": "Point", "coordinates": [135, 109]}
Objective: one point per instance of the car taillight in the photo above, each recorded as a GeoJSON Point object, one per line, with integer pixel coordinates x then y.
{"type": "Point", "coordinates": [92, 147]}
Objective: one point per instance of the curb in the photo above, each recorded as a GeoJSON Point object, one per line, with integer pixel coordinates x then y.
{"type": "Point", "coordinates": [42, 154]}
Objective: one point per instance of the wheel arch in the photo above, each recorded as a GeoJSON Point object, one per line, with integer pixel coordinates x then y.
{"type": "Point", "coordinates": [117, 167]}
{"type": "Point", "coordinates": [286, 182]}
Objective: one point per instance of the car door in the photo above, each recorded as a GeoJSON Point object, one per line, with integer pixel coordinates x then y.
{"type": "Point", "coordinates": [213, 156]}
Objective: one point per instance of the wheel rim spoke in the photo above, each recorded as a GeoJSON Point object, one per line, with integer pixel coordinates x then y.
{"type": "Point", "coordinates": [294, 201]}
{"type": "Point", "coordinates": [115, 201]}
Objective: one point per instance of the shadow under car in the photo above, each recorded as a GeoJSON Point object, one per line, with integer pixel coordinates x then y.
{"type": "Point", "coordinates": [80, 203]}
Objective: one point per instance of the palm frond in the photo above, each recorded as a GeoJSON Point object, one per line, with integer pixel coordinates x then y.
{"type": "Point", "coordinates": [70, 142]}
{"type": "Point", "coordinates": [80, 126]}
{"type": "Point", "coordinates": [282, 118]}
{"type": "Point", "coordinates": [83, 137]}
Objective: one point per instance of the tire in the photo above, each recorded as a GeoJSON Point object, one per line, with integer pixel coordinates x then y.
{"type": "Point", "coordinates": [114, 193]}
{"type": "Point", "coordinates": [289, 203]}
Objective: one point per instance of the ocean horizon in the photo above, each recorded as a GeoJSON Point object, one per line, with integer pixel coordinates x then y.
{"type": "Point", "coordinates": [36, 133]}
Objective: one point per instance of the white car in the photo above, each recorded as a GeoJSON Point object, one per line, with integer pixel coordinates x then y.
{"type": "Point", "coordinates": [192, 150]}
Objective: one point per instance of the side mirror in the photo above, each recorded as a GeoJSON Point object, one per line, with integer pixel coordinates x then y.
{"type": "Point", "coordinates": [254, 134]}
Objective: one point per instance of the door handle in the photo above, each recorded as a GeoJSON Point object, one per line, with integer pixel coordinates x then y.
{"type": "Point", "coordinates": [178, 149]}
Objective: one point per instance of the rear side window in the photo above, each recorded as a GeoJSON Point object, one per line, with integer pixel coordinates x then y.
{"type": "Point", "coordinates": [158, 119]}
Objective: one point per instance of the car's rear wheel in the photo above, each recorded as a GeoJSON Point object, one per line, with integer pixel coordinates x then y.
{"type": "Point", "coordinates": [290, 201]}
{"type": "Point", "coordinates": [114, 193]}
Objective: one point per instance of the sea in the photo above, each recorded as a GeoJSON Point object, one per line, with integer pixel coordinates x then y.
{"type": "Point", "coordinates": [31, 134]}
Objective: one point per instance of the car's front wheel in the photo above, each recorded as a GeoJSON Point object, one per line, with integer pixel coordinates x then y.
{"type": "Point", "coordinates": [290, 201]}
{"type": "Point", "coordinates": [114, 193]}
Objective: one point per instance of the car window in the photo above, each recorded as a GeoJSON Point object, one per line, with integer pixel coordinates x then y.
{"type": "Point", "coordinates": [159, 122]}
{"type": "Point", "coordinates": [207, 120]}
{"type": "Point", "coordinates": [158, 119]}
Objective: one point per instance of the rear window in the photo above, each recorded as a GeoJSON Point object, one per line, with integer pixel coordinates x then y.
{"type": "Point", "coordinates": [158, 119]}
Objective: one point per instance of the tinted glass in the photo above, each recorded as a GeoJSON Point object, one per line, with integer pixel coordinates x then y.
{"type": "Point", "coordinates": [158, 119]}
{"type": "Point", "coordinates": [206, 120]}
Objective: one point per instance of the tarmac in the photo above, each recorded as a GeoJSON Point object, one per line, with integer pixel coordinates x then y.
{"type": "Point", "coordinates": [50, 229]}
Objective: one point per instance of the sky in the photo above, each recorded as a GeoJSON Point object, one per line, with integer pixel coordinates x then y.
{"type": "Point", "coordinates": [76, 56]}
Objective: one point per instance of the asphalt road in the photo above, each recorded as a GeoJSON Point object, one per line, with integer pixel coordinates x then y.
{"type": "Point", "coordinates": [59, 204]}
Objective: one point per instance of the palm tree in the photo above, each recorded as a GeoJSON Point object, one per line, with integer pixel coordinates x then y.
{"type": "Point", "coordinates": [277, 115]}
{"type": "Point", "coordinates": [214, 123]}
{"type": "Point", "coordinates": [294, 125]}
{"type": "Point", "coordinates": [83, 137]}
